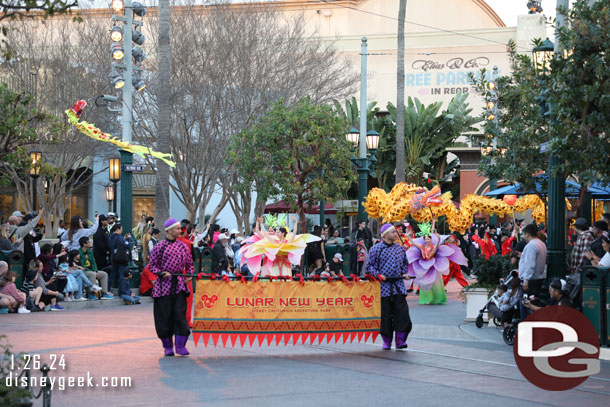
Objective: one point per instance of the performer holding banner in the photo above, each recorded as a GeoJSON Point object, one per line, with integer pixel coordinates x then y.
{"type": "Point", "coordinates": [168, 260]}
{"type": "Point", "coordinates": [388, 259]}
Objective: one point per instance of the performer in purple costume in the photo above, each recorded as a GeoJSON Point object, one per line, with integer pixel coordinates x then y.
{"type": "Point", "coordinates": [388, 259]}
{"type": "Point", "coordinates": [168, 260]}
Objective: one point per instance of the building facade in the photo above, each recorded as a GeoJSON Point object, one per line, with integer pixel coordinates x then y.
{"type": "Point", "coordinates": [445, 41]}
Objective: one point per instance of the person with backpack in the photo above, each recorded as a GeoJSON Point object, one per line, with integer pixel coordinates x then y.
{"type": "Point", "coordinates": [119, 255]}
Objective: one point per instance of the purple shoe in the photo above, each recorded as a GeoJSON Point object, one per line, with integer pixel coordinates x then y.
{"type": "Point", "coordinates": [168, 346]}
{"type": "Point", "coordinates": [387, 342]}
{"type": "Point", "coordinates": [401, 340]}
{"type": "Point", "coordinates": [180, 343]}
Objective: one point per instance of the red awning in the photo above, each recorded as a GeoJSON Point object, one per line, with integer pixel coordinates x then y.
{"type": "Point", "coordinates": [329, 209]}
{"type": "Point", "coordinates": [278, 207]}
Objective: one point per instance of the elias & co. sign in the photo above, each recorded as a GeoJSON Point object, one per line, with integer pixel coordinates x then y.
{"type": "Point", "coordinates": [444, 77]}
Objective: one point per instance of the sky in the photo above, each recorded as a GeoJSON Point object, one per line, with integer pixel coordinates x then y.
{"type": "Point", "coordinates": [508, 10]}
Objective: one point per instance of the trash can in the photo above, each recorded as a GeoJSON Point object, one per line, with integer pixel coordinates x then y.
{"type": "Point", "coordinates": [594, 295]}
{"type": "Point", "coordinates": [345, 251]}
{"type": "Point", "coordinates": [15, 264]}
{"type": "Point", "coordinates": [206, 260]}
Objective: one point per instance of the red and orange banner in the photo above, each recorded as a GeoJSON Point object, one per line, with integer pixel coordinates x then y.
{"type": "Point", "coordinates": [288, 311]}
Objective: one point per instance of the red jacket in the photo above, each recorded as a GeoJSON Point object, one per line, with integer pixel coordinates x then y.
{"type": "Point", "coordinates": [146, 280]}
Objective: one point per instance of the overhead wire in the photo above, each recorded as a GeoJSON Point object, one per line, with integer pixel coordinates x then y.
{"type": "Point", "coordinates": [419, 24]}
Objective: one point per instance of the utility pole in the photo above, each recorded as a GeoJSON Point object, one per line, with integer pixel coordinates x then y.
{"type": "Point", "coordinates": [363, 171]}
{"type": "Point", "coordinates": [557, 219]}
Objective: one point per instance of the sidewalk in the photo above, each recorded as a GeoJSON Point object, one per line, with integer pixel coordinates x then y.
{"type": "Point", "coordinates": [447, 362]}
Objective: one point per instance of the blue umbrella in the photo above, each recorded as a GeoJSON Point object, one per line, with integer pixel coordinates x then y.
{"type": "Point", "coordinates": [572, 189]}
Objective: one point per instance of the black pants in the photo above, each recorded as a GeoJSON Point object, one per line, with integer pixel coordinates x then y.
{"type": "Point", "coordinates": [170, 316]}
{"type": "Point", "coordinates": [395, 315]}
{"type": "Point", "coordinates": [505, 316]}
{"type": "Point", "coordinates": [533, 288]}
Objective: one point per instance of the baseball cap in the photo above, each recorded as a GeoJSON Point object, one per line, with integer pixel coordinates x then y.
{"type": "Point", "coordinates": [234, 231]}
{"type": "Point", "coordinates": [18, 214]}
{"type": "Point", "coordinates": [223, 236]}
{"type": "Point", "coordinates": [582, 223]}
{"type": "Point", "coordinates": [339, 256]}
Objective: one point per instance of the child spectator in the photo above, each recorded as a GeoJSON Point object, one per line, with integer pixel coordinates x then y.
{"type": "Point", "coordinates": [87, 261]}
{"type": "Point", "coordinates": [6, 301]}
{"type": "Point", "coordinates": [29, 288]}
{"type": "Point", "coordinates": [360, 255]}
{"type": "Point", "coordinates": [7, 286]}
{"type": "Point", "coordinates": [125, 290]}
{"type": "Point", "coordinates": [76, 277]}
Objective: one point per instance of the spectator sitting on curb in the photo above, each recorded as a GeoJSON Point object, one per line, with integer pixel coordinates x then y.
{"type": "Point", "coordinates": [8, 287]}
{"type": "Point", "coordinates": [50, 292]}
{"type": "Point", "coordinates": [87, 260]}
{"type": "Point", "coordinates": [125, 290]}
{"type": "Point", "coordinates": [6, 301]}
{"type": "Point", "coordinates": [29, 289]}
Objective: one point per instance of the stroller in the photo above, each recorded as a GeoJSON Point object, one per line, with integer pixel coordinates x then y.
{"type": "Point", "coordinates": [572, 288]}
{"type": "Point", "coordinates": [495, 299]}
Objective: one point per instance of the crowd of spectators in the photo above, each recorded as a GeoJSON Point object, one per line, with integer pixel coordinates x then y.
{"type": "Point", "coordinates": [92, 258]}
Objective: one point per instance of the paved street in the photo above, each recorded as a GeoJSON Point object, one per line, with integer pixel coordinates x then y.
{"type": "Point", "coordinates": [448, 361]}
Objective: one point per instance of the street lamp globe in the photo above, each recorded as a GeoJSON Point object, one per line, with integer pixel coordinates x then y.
{"type": "Point", "coordinates": [542, 55]}
{"type": "Point", "coordinates": [36, 157]}
{"type": "Point", "coordinates": [115, 169]}
{"type": "Point", "coordinates": [109, 189]}
{"type": "Point", "coordinates": [353, 136]}
{"type": "Point", "coordinates": [372, 140]}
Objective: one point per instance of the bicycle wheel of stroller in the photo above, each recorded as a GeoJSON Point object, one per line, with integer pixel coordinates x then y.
{"type": "Point", "coordinates": [497, 321]}
{"type": "Point", "coordinates": [509, 335]}
{"type": "Point", "coordinates": [479, 321]}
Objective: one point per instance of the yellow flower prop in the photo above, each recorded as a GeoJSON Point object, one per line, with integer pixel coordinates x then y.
{"type": "Point", "coordinates": [90, 130]}
{"type": "Point", "coordinates": [396, 205]}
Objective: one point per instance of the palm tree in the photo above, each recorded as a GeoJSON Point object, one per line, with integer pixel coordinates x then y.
{"type": "Point", "coordinates": [400, 94]}
{"type": "Point", "coordinates": [163, 113]}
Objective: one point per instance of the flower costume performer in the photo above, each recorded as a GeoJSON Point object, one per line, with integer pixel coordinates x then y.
{"type": "Point", "coordinates": [168, 260]}
{"type": "Point", "coordinates": [388, 259]}
{"type": "Point", "coordinates": [273, 254]}
{"type": "Point", "coordinates": [428, 260]}
{"type": "Point", "coordinates": [455, 270]}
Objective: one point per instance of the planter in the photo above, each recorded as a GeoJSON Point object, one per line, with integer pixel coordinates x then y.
{"type": "Point", "coordinates": [476, 298]}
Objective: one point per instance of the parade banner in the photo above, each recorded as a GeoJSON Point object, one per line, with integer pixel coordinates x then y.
{"type": "Point", "coordinates": [286, 310]}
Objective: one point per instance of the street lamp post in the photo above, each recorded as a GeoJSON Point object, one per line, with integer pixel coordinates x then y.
{"type": "Point", "coordinates": [36, 157]}
{"type": "Point", "coordinates": [109, 190]}
{"type": "Point", "coordinates": [364, 165]}
{"type": "Point", "coordinates": [125, 10]}
{"type": "Point", "coordinates": [556, 258]}
{"type": "Point", "coordinates": [492, 117]}
{"type": "Point", "coordinates": [115, 176]}
{"type": "Point", "coordinates": [362, 162]}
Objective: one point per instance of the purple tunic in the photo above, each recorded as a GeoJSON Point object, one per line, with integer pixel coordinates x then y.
{"type": "Point", "coordinates": [391, 261]}
{"type": "Point", "coordinates": [173, 257]}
